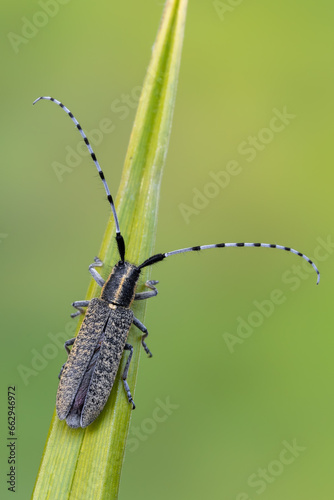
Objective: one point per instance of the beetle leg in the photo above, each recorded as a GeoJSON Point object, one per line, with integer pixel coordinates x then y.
{"type": "Point", "coordinates": [128, 347]}
{"type": "Point", "coordinates": [143, 329]}
{"type": "Point", "coordinates": [97, 263]}
{"type": "Point", "coordinates": [79, 304]}
{"type": "Point", "coordinates": [66, 345]}
{"type": "Point", "coordinates": [147, 295]}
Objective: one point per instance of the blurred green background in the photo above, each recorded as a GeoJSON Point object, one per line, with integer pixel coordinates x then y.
{"type": "Point", "coordinates": [238, 400]}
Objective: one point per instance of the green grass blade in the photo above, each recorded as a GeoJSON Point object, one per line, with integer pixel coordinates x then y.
{"type": "Point", "coordinates": [87, 463]}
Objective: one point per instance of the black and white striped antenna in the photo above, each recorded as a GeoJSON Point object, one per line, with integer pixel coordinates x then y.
{"type": "Point", "coordinates": [160, 256]}
{"type": "Point", "coordinates": [119, 237]}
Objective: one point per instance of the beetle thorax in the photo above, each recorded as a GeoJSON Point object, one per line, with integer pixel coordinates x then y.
{"type": "Point", "coordinates": [119, 288]}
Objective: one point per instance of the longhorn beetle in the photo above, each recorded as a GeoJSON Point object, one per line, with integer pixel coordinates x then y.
{"type": "Point", "coordinates": [87, 377]}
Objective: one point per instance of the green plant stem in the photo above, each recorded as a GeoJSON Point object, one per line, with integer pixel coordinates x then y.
{"type": "Point", "coordinates": [87, 463]}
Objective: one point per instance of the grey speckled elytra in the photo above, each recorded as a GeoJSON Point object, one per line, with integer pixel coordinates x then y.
{"type": "Point", "coordinates": [86, 379]}
{"type": "Point", "coordinates": [90, 371]}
